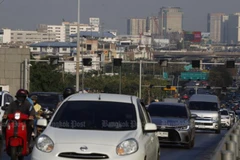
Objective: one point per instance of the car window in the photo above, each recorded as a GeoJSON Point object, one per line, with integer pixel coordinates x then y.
{"type": "Point", "coordinates": [0, 100]}
{"type": "Point", "coordinates": [5, 99]}
{"type": "Point", "coordinates": [45, 98]}
{"type": "Point", "coordinates": [206, 106]}
{"type": "Point", "coordinates": [10, 98]}
{"type": "Point", "coordinates": [96, 115]}
{"type": "Point", "coordinates": [145, 112]}
{"type": "Point", "coordinates": [141, 114]}
{"type": "Point", "coordinates": [163, 110]}
{"type": "Point", "coordinates": [224, 112]}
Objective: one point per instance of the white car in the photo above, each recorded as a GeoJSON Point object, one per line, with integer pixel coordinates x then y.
{"type": "Point", "coordinates": [225, 119]}
{"type": "Point", "coordinates": [98, 126]}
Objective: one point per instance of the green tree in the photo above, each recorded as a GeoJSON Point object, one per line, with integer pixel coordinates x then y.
{"type": "Point", "coordinates": [219, 76]}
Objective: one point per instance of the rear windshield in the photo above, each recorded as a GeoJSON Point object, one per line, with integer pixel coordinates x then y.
{"type": "Point", "coordinates": [95, 115]}
{"type": "Point", "coordinates": [224, 112]}
{"type": "Point", "coordinates": [48, 98]}
{"type": "Point", "coordinates": [159, 110]}
{"type": "Point", "coordinates": [205, 106]}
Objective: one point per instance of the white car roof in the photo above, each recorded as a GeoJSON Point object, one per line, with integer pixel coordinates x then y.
{"type": "Point", "coordinates": [204, 98]}
{"type": "Point", "coordinates": [102, 97]}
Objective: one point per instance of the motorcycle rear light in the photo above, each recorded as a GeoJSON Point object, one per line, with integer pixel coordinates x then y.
{"type": "Point", "coordinates": [17, 116]}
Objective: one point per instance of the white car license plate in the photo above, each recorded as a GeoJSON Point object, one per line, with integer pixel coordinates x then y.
{"type": "Point", "coordinates": [162, 134]}
{"type": "Point", "coordinates": [201, 126]}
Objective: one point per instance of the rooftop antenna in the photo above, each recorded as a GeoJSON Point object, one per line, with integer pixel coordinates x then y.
{"type": "Point", "coordinates": [99, 98]}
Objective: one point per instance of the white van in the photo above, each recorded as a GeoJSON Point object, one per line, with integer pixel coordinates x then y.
{"type": "Point", "coordinates": [207, 109]}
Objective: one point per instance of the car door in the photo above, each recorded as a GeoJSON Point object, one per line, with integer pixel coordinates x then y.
{"type": "Point", "coordinates": [191, 123]}
{"type": "Point", "coordinates": [148, 138]}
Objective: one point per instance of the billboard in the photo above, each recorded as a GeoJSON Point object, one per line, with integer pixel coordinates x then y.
{"type": "Point", "coordinates": [94, 21]}
{"type": "Point", "coordinates": [193, 36]}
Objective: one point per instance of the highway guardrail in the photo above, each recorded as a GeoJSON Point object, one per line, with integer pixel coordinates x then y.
{"type": "Point", "coordinates": [229, 147]}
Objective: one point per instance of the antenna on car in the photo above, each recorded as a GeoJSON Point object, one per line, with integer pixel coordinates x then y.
{"type": "Point", "coordinates": [99, 98]}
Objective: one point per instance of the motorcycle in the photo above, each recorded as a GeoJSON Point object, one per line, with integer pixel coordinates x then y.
{"type": "Point", "coordinates": [17, 145]}
{"type": "Point", "coordinates": [47, 114]}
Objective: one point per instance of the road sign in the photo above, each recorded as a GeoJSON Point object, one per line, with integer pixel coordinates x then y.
{"type": "Point", "coordinates": [194, 75]}
{"type": "Point", "coordinates": [165, 75]}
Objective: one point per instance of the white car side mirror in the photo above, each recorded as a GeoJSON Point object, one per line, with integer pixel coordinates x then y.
{"type": "Point", "coordinates": [42, 122]}
{"type": "Point", "coordinates": [150, 127]}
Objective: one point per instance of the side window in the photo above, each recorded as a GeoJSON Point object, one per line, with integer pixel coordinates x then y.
{"type": "Point", "coordinates": [147, 116]}
{"type": "Point", "coordinates": [5, 99]}
{"type": "Point", "coordinates": [141, 114]}
{"type": "Point", "coordinates": [10, 98]}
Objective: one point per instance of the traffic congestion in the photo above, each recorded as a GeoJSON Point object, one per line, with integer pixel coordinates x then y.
{"type": "Point", "coordinates": [72, 125]}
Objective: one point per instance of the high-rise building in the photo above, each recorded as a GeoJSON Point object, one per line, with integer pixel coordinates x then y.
{"type": "Point", "coordinates": [233, 29]}
{"type": "Point", "coordinates": [170, 20]}
{"type": "Point", "coordinates": [136, 26]}
{"type": "Point", "coordinates": [152, 25]}
{"type": "Point", "coordinates": [224, 34]}
{"type": "Point", "coordinates": [216, 26]}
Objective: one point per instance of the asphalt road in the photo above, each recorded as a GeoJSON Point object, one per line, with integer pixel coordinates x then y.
{"type": "Point", "coordinates": [205, 143]}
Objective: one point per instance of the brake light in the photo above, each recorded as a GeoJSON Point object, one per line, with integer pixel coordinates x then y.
{"type": "Point", "coordinates": [17, 116]}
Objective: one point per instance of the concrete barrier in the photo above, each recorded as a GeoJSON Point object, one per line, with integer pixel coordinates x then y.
{"type": "Point", "coordinates": [229, 147]}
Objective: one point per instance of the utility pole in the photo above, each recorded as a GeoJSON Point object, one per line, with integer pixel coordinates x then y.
{"type": "Point", "coordinates": [78, 50]}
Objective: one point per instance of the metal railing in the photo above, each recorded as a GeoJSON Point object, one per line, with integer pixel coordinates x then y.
{"type": "Point", "coordinates": [229, 147]}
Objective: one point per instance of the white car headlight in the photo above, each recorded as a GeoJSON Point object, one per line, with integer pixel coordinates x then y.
{"type": "Point", "coordinates": [45, 144]}
{"type": "Point", "coordinates": [127, 147]}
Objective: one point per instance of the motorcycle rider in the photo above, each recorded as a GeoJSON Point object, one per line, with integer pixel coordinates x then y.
{"type": "Point", "coordinates": [38, 111]}
{"type": "Point", "coordinates": [22, 105]}
{"type": "Point", "coordinates": [29, 99]}
{"type": "Point", "coordinates": [66, 93]}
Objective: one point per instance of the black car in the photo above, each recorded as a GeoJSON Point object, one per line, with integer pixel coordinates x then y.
{"type": "Point", "coordinates": [175, 123]}
{"type": "Point", "coordinates": [48, 100]}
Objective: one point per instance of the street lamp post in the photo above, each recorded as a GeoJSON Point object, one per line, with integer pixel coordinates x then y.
{"type": "Point", "coordinates": [78, 49]}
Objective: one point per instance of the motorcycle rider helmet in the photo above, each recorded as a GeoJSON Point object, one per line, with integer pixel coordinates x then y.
{"type": "Point", "coordinates": [21, 95]}
{"type": "Point", "coordinates": [68, 91]}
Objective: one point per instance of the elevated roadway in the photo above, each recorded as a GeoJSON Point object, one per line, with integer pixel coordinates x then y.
{"type": "Point", "coordinates": [195, 54]}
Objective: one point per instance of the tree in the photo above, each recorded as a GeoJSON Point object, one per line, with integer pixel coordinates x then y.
{"type": "Point", "coordinates": [219, 76]}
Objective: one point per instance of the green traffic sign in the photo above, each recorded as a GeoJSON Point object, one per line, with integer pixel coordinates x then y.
{"type": "Point", "coordinates": [194, 75]}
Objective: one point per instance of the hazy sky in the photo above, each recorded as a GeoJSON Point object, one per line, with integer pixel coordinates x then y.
{"type": "Point", "coordinates": [27, 14]}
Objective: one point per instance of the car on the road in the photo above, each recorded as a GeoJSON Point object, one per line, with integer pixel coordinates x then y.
{"type": "Point", "coordinates": [48, 100]}
{"type": "Point", "coordinates": [98, 126]}
{"type": "Point", "coordinates": [225, 119]}
{"type": "Point", "coordinates": [174, 122]}
{"type": "Point", "coordinates": [207, 109]}
{"type": "Point", "coordinates": [5, 99]}
{"type": "Point", "coordinates": [232, 116]}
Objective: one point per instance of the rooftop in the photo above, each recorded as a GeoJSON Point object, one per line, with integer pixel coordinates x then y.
{"type": "Point", "coordinates": [53, 44]}
{"type": "Point", "coordinates": [94, 34]}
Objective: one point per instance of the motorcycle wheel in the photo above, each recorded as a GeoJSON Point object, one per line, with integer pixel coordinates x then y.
{"type": "Point", "coordinates": [13, 153]}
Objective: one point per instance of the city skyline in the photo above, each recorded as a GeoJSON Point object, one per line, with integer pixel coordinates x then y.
{"type": "Point", "coordinates": [27, 14]}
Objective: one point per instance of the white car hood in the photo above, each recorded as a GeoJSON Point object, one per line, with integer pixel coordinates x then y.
{"type": "Point", "coordinates": [71, 136]}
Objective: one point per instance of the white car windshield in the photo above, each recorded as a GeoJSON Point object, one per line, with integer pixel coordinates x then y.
{"type": "Point", "coordinates": [96, 115]}
{"type": "Point", "coordinates": [206, 106]}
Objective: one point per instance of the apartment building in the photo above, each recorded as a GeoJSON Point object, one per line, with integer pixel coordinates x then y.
{"type": "Point", "coordinates": [66, 29]}
{"type": "Point", "coordinates": [21, 36]}
{"type": "Point", "coordinates": [136, 26]}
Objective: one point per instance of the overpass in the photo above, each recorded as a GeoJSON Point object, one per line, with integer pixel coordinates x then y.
{"type": "Point", "coordinates": [194, 54]}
